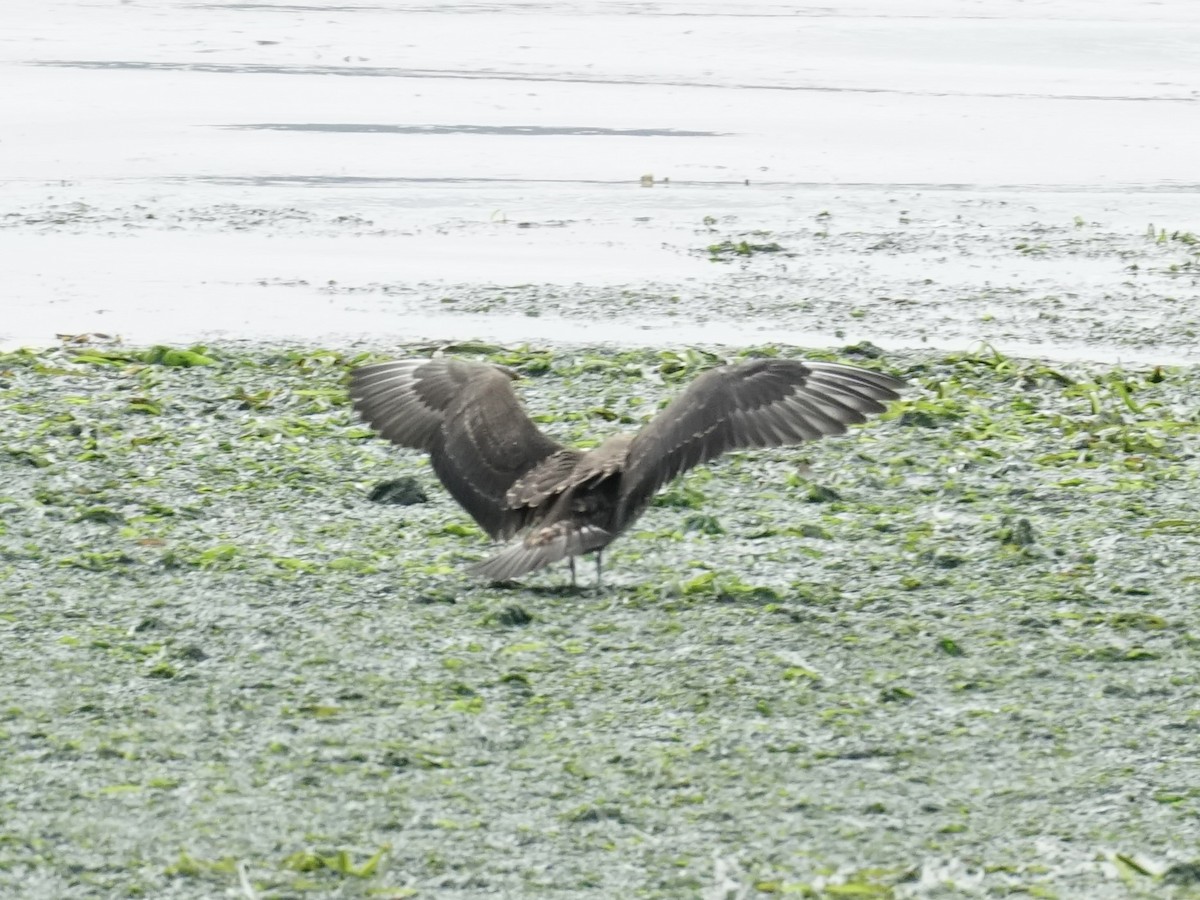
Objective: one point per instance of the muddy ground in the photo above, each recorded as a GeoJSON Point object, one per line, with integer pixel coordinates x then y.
{"type": "Point", "coordinates": [1049, 274]}
{"type": "Point", "coordinates": [952, 654]}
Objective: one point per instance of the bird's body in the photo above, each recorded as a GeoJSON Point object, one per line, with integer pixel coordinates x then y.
{"type": "Point", "coordinates": [512, 478]}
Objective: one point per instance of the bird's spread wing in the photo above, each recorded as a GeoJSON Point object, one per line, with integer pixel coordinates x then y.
{"type": "Point", "coordinates": [467, 417]}
{"type": "Point", "coordinates": [541, 547]}
{"type": "Point", "coordinates": [406, 400]}
{"type": "Point", "coordinates": [762, 403]}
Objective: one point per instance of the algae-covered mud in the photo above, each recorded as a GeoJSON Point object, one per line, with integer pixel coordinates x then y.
{"type": "Point", "coordinates": [952, 654]}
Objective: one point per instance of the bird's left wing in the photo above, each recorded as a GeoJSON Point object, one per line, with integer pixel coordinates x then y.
{"type": "Point", "coordinates": [466, 416]}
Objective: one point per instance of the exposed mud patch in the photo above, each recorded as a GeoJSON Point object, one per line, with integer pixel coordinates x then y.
{"type": "Point", "coordinates": [902, 269]}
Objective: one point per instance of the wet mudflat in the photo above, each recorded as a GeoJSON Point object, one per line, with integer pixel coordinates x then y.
{"type": "Point", "coordinates": [1047, 274]}
{"type": "Point", "coordinates": [909, 175]}
{"type": "Point", "coordinates": [954, 653]}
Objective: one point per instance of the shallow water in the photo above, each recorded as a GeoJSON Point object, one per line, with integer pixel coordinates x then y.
{"type": "Point", "coordinates": [184, 170]}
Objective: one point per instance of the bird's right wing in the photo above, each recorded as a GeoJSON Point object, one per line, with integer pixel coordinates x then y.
{"type": "Point", "coordinates": [761, 403]}
{"type": "Point", "coordinates": [467, 417]}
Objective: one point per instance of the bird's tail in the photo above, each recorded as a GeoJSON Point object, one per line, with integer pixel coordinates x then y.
{"type": "Point", "coordinates": [541, 547]}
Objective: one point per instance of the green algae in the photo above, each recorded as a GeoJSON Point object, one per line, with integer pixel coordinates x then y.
{"type": "Point", "coordinates": [954, 652]}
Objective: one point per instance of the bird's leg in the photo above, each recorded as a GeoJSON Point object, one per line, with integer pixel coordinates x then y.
{"type": "Point", "coordinates": [599, 562]}
{"type": "Point", "coordinates": [571, 560]}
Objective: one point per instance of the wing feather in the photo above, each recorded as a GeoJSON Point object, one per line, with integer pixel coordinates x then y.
{"type": "Point", "coordinates": [466, 416]}
{"type": "Point", "coordinates": [762, 403]}
{"type": "Point", "coordinates": [568, 469]}
{"type": "Point", "coordinates": [394, 400]}
{"type": "Point", "coordinates": [549, 477]}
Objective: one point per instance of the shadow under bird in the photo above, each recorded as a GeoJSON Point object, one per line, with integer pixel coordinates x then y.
{"type": "Point", "coordinates": [512, 478]}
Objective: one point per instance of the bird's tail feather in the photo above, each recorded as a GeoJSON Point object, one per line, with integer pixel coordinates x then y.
{"type": "Point", "coordinates": [541, 547]}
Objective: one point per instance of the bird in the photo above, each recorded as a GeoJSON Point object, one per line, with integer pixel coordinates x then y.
{"type": "Point", "coordinates": [513, 479]}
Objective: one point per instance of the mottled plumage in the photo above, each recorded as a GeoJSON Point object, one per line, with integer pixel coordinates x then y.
{"type": "Point", "coordinates": [512, 478]}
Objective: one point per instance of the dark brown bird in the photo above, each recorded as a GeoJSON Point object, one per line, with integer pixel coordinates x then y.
{"type": "Point", "coordinates": [511, 477]}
